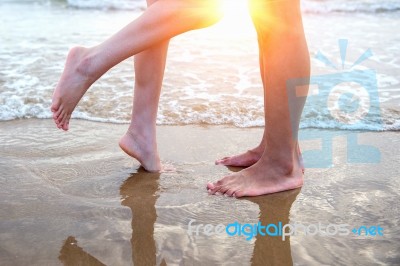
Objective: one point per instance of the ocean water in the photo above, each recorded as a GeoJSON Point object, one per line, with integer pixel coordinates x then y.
{"type": "Point", "coordinates": [212, 75]}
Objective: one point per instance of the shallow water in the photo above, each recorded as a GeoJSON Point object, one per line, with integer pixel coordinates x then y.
{"type": "Point", "coordinates": [76, 197]}
{"type": "Point", "coordinates": [212, 75]}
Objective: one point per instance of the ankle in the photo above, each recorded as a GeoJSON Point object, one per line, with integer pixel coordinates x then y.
{"type": "Point", "coordinates": [287, 163]}
{"type": "Point", "coordinates": [143, 143]}
{"type": "Point", "coordinates": [87, 64]}
{"type": "Point", "coordinates": [141, 126]}
{"type": "Point", "coordinates": [145, 135]}
{"type": "Point", "coordinates": [259, 150]}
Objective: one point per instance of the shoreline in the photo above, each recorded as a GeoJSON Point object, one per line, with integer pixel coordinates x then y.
{"type": "Point", "coordinates": [216, 142]}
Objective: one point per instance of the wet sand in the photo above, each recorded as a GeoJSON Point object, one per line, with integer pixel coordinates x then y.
{"type": "Point", "coordinates": [70, 198]}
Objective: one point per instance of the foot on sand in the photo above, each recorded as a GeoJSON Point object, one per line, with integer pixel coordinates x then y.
{"type": "Point", "coordinates": [264, 177]}
{"type": "Point", "coordinates": [143, 149]}
{"type": "Point", "coordinates": [76, 78]}
{"type": "Point", "coordinates": [245, 159]}
{"type": "Point", "coordinates": [249, 158]}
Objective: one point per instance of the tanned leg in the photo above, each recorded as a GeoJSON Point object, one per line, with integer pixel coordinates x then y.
{"type": "Point", "coordinates": [285, 56]}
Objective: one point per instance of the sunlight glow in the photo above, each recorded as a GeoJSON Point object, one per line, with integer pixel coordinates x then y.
{"type": "Point", "coordinates": [236, 18]}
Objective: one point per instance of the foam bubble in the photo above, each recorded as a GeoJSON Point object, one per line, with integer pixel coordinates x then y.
{"type": "Point", "coordinates": [206, 81]}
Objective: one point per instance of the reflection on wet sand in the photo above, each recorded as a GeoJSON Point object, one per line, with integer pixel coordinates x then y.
{"type": "Point", "coordinates": [274, 208]}
{"type": "Point", "coordinates": [72, 254]}
{"type": "Point", "coordinates": [140, 193]}
{"type": "Point", "coordinates": [54, 186]}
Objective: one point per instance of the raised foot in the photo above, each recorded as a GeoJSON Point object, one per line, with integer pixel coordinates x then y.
{"type": "Point", "coordinates": [74, 82]}
{"type": "Point", "coordinates": [260, 179]}
{"type": "Point", "coordinates": [143, 151]}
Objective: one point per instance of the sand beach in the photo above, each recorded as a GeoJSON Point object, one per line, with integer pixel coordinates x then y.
{"type": "Point", "coordinates": [76, 197]}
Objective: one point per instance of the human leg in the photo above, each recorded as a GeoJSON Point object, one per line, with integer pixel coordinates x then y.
{"type": "Point", "coordinates": [160, 22]}
{"type": "Point", "coordinates": [140, 140]}
{"type": "Point", "coordinates": [285, 56]}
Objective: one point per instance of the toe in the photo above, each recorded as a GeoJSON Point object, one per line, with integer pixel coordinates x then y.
{"type": "Point", "coordinates": [66, 123]}
{"type": "Point", "coordinates": [61, 117]}
{"type": "Point", "coordinates": [221, 186]}
{"type": "Point", "coordinates": [223, 189]}
{"type": "Point", "coordinates": [231, 161]}
{"type": "Point", "coordinates": [230, 192]}
{"type": "Point", "coordinates": [215, 189]}
{"type": "Point", "coordinates": [210, 186]}
{"type": "Point", "coordinates": [63, 122]}
{"type": "Point", "coordinates": [239, 193]}
{"type": "Point", "coordinates": [57, 114]}
{"type": "Point", "coordinates": [55, 105]}
{"type": "Point", "coordinates": [227, 161]}
{"type": "Point", "coordinates": [221, 161]}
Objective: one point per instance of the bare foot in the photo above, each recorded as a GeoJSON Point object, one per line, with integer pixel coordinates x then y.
{"type": "Point", "coordinates": [245, 159]}
{"type": "Point", "coordinates": [250, 157]}
{"type": "Point", "coordinates": [143, 149]}
{"type": "Point", "coordinates": [74, 82]}
{"type": "Point", "coordinates": [264, 177]}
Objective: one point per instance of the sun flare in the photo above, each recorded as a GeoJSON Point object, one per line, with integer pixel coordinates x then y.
{"type": "Point", "coordinates": [236, 18]}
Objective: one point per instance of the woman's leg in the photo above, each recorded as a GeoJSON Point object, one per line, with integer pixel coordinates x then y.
{"type": "Point", "coordinates": [285, 56]}
{"type": "Point", "coordinates": [160, 22]}
{"type": "Point", "coordinates": [140, 139]}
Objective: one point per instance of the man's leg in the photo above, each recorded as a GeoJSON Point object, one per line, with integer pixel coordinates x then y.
{"type": "Point", "coordinates": [140, 140]}
{"type": "Point", "coordinates": [250, 157]}
{"type": "Point", "coordinates": [160, 22]}
{"type": "Point", "coordinates": [285, 56]}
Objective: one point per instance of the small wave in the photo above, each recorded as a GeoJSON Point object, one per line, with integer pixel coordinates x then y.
{"type": "Point", "coordinates": [389, 121]}
{"type": "Point", "coordinates": [309, 6]}
{"type": "Point", "coordinates": [231, 95]}
{"type": "Point", "coordinates": [108, 4]}
{"type": "Point", "coordinates": [346, 6]}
